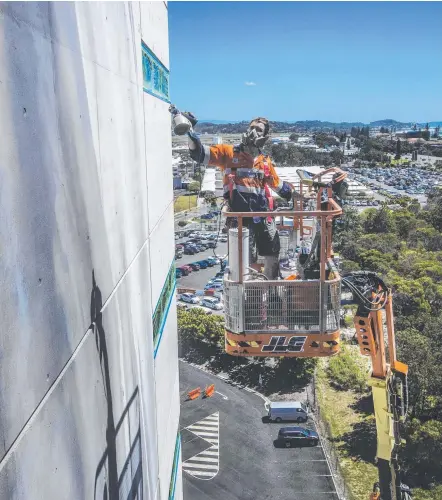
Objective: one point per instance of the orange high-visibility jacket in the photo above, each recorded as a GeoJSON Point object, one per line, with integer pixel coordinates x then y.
{"type": "Point", "coordinates": [244, 173]}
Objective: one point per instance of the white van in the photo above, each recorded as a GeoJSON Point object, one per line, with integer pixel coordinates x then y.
{"type": "Point", "coordinates": [287, 410]}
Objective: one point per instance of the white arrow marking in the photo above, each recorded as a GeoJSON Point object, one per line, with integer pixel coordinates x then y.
{"type": "Point", "coordinates": [224, 397]}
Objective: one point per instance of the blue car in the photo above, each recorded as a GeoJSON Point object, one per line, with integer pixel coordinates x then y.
{"type": "Point", "coordinates": [178, 273]}
{"type": "Point", "coordinates": [203, 264]}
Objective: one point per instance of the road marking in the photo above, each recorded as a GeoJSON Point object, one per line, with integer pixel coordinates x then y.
{"type": "Point", "coordinates": [205, 465]}
{"type": "Point", "coordinates": [208, 434]}
{"type": "Point", "coordinates": [322, 460]}
{"type": "Point", "coordinates": [324, 451]}
{"type": "Point", "coordinates": [224, 397]}
{"type": "Point", "coordinates": [204, 459]}
{"type": "Point", "coordinates": [201, 473]}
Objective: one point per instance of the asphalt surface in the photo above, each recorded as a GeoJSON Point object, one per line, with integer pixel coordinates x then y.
{"type": "Point", "coordinates": [199, 279]}
{"type": "Point", "coordinates": [240, 461]}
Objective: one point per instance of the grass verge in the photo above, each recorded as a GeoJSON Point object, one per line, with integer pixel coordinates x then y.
{"type": "Point", "coordinates": [350, 423]}
{"type": "Point", "coordinates": [349, 420]}
{"type": "Point", "coordinates": [184, 203]}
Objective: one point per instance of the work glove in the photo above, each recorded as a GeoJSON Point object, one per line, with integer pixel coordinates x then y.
{"type": "Point", "coordinates": [191, 117]}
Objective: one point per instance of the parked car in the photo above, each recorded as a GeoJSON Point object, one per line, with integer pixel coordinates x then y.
{"type": "Point", "coordinates": [211, 244]}
{"type": "Point", "coordinates": [195, 266]}
{"type": "Point", "coordinates": [203, 264]}
{"type": "Point", "coordinates": [189, 250]}
{"type": "Point", "coordinates": [178, 273]}
{"type": "Point", "coordinates": [212, 303]}
{"type": "Point", "coordinates": [190, 298]}
{"type": "Point", "coordinates": [212, 261]}
{"type": "Point", "coordinates": [178, 254]}
{"type": "Point", "coordinates": [214, 286]}
{"type": "Point", "coordinates": [223, 239]}
{"type": "Point", "coordinates": [297, 436]}
{"type": "Point", "coordinates": [185, 270]}
{"type": "Point", "coordinates": [215, 281]}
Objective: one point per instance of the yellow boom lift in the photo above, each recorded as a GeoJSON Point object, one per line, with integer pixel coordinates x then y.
{"type": "Point", "coordinates": [299, 316]}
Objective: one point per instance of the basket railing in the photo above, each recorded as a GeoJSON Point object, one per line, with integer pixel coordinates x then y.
{"type": "Point", "coordinates": [296, 306]}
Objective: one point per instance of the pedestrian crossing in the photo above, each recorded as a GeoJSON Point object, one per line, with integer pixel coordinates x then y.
{"type": "Point", "coordinates": [205, 465]}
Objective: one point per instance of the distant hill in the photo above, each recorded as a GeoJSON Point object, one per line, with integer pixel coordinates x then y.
{"type": "Point", "coordinates": [388, 122]}
{"type": "Point", "coordinates": [217, 122]}
{"type": "Point", "coordinates": [234, 127]}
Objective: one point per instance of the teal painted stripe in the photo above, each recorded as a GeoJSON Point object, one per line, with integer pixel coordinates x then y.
{"type": "Point", "coordinates": [163, 290]}
{"type": "Point", "coordinates": [160, 336]}
{"type": "Point", "coordinates": [176, 459]}
{"type": "Point", "coordinates": [162, 308]}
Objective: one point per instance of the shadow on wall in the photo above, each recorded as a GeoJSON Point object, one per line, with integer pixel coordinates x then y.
{"type": "Point", "coordinates": [110, 484]}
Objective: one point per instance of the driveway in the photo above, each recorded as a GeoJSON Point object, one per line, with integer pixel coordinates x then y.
{"type": "Point", "coordinates": [229, 452]}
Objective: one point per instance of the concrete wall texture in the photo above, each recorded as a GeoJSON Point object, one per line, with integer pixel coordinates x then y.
{"type": "Point", "coordinates": [89, 399]}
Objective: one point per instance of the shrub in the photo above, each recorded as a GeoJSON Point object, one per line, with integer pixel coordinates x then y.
{"type": "Point", "coordinates": [345, 372]}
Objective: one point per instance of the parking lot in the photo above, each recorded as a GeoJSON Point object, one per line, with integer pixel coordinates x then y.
{"type": "Point", "coordinates": [229, 450]}
{"type": "Point", "coordinates": [198, 279]}
{"type": "Point", "coordinates": [413, 182]}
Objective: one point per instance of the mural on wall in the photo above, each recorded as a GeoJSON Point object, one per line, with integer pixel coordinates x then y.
{"type": "Point", "coordinates": [155, 75]}
{"type": "Point", "coordinates": [162, 308]}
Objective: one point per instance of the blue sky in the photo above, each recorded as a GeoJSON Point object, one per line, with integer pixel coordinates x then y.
{"type": "Point", "coordinates": [336, 61]}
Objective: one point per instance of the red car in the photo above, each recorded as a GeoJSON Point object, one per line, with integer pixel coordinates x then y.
{"type": "Point", "coordinates": [185, 270]}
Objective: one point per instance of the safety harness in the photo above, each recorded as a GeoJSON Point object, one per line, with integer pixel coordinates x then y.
{"type": "Point", "coordinates": [262, 168]}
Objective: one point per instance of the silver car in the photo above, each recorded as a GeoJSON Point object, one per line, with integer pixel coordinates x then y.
{"type": "Point", "coordinates": [190, 298]}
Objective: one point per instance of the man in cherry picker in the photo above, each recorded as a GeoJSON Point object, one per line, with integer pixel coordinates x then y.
{"type": "Point", "coordinates": [248, 177]}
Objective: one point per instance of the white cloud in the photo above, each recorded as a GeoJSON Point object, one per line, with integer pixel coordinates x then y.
{"type": "Point", "coordinates": [250, 84]}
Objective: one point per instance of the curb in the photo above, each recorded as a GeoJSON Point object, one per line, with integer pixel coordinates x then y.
{"type": "Point", "coordinates": [228, 381]}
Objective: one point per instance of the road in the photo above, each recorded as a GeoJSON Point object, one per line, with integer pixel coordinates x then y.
{"type": "Point", "coordinates": [229, 451]}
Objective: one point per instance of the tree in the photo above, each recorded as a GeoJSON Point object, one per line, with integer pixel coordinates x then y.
{"type": "Point", "coordinates": [209, 198]}
{"type": "Point", "coordinates": [434, 215]}
{"type": "Point", "coordinates": [194, 325]}
{"type": "Point", "coordinates": [337, 156]}
{"type": "Point", "coordinates": [398, 150]}
{"type": "Point", "coordinates": [378, 221]}
{"type": "Point", "coordinates": [194, 186]}
{"type": "Point", "coordinates": [294, 137]}
{"type": "Point", "coordinates": [423, 453]}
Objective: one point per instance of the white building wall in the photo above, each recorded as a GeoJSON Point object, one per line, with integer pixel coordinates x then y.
{"type": "Point", "coordinates": [89, 402]}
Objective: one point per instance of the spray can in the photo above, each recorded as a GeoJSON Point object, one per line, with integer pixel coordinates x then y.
{"type": "Point", "coordinates": [181, 125]}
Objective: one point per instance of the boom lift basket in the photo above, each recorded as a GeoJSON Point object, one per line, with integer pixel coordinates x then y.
{"type": "Point", "coordinates": [294, 318]}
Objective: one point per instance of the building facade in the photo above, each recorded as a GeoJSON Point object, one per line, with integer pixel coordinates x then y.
{"type": "Point", "coordinates": [89, 391]}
